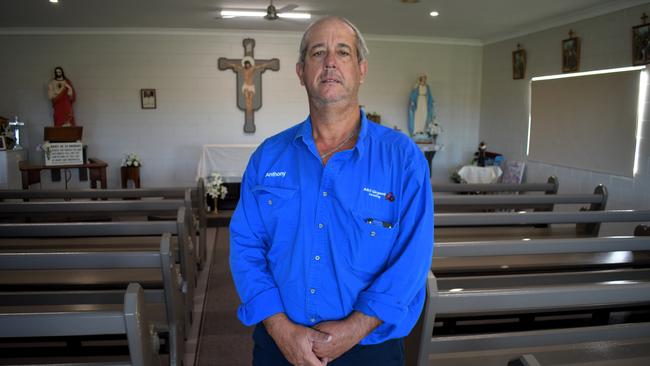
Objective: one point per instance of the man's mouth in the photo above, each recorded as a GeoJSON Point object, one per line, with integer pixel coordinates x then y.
{"type": "Point", "coordinates": [330, 81]}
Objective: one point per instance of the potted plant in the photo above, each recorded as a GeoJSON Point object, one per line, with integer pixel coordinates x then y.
{"type": "Point", "coordinates": [215, 190]}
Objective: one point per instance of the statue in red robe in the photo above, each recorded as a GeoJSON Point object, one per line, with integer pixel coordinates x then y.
{"type": "Point", "coordinates": [62, 94]}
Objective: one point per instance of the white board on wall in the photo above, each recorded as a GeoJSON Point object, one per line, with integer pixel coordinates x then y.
{"type": "Point", "coordinates": [586, 122]}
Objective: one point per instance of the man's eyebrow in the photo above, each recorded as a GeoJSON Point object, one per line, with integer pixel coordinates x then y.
{"type": "Point", "coordinates": [317, 45]}
{"type": "Point", "coordinates": [338, 45]}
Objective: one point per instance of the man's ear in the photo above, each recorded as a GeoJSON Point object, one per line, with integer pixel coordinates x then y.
{"type": "Point", "coordinates": [300, 68]}
{"type": "Point", "coordinates": [363, 69]}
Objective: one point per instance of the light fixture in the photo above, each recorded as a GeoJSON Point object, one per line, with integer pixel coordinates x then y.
{"type": "Point", "coordinates": [54, 1]}
{"type": "Point", "coordinates": [434, 13]}
{"type": "Point", "coordinates": [261, 14]}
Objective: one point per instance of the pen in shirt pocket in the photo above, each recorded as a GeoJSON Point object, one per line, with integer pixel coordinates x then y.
{"type": "Point", "coordinates": [378, 222]}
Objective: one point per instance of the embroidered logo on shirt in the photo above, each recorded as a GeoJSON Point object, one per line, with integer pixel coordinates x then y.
{"type": "Point", "coordinates": [374, 193]}
{"type": "Point", "coordinates": [275, 174]}
{"type": "Point", "coordinates": [390, 196]}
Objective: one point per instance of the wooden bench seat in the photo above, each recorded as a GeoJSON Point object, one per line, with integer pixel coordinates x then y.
{"type": "Point", "coordinates": [72, 211]}
{"type": "Point", "coordinates": [550, 187]}
{"type": "Point", "coordinates": [178, 228]}
{"type": "Point", "coordinates": [194, 198]}
{"type": "Point", "coordinates": [46, 282]}
{"type": "Point", "coordinates": [487, 296]}
{"type": "Point", "coordinates": [131, 320]}
{"type": "Point", "coordinates": [537, 202]}
{"type": "Point", "coordinates": [616, 353]}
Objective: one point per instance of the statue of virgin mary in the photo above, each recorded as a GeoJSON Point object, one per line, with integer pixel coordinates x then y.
{"type": "Point", "coordinates": [421, 110]}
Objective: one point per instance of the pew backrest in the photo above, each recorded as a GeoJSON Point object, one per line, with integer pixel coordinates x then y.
{"type": "Point", "coordinates": [132, 321]}
{"type": "Point", "coordinates": [550, 187]}
{"type": "Point", "coordinates": [164, 260]}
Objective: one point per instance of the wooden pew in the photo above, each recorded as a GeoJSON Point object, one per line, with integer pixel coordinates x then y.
{"type": "Point", "coordinates": [550, 187]}
{"type": "Point", "coordinates": [128, 235]}
{"type": "Point", "coordinates": [131, 321]}
{"type": "Point", "coordinates": [479, 293]}
{"type": "Point", "coordinates": [73, 210]}
{"type": "Point", "coordinates": [196, 201]}
{"type": "Point", "coordinates": [627, 353]}
{"type": "Point", "coordinates": [48, 282]}
{"type": "Point", "coordinates": [470, 203]}
{"type": "Point", "coordinates": [587, 223]}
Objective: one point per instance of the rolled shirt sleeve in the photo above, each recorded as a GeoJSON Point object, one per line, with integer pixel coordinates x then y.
{"type": "Point", "coordinates": [248, 250]}
{"type": "Point", "coordinates": [400, 288]}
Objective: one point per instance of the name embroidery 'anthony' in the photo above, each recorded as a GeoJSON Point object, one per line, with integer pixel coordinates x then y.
{"type": "Point", "coordinates": [275, 174]}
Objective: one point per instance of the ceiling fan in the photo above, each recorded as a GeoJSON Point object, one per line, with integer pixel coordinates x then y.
{"type": "Point", "coordinates": [271, 13]}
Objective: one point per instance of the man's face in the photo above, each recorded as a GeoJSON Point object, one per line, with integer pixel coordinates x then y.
{"type": "Point", "coordinates": [247, 65]}
{"type": "Point", "coordinates": [331, 72]}
{"type": "Point", "coordinates": [58, 73]}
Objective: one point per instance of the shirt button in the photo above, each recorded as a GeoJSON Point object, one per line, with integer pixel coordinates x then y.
{"type": "Point", "coordinates": [313, 320]}
{"type": "Point", "coordinates": [317, 257]}
{"type": "Point", "coordinates": [320, 226]}
{"type": "Point", "coordinates": [313, 290]}
{"type": "Point", "coordinates": [324, 194]}
{"type": "Point", "coordinates": [270, 202]}
{"type": "Point", "coordinates": [372, 233]}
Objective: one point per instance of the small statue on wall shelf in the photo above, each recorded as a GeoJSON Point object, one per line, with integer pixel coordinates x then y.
{"type": "Point", "coordinates": [482, 148]}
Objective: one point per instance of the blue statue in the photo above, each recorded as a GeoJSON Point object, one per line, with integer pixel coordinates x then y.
{"type": "Point", "coordinates": [421, 110]}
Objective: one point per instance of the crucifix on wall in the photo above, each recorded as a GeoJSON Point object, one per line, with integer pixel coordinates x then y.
{"type": "Point", "coordinates": [249, 80]}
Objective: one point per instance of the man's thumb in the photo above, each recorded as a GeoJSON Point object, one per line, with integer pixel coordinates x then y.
{"type": "Point", "coordinates": [318, 336]}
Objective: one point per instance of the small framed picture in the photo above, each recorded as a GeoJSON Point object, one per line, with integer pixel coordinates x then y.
{"type": "Point", "coordinates": [518, 64]}
{"type": "Point", "coordinates": [570, 54]}
{"type": "Point", "coordinates": [148, 98]}
{"type": "Point", "coordinates": [641, 44]}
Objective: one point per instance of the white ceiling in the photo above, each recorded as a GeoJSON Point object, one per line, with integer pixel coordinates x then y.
{"type": "Point", "coordinates": [480, 21]}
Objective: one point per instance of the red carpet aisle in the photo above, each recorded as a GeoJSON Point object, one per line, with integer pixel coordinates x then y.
{"type": "Point", "coordinates": [223, 340]}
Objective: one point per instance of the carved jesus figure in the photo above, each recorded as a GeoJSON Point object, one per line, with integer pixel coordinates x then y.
{"type": "Point", "coordinates": [247, 69]}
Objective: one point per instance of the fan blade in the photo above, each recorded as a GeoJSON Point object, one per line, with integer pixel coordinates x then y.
{"type": "Point", "coordinates": [287, 8]}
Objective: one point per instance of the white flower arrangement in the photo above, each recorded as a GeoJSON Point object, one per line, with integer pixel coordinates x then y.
{"type": "Point", "coordinates": [131, 160]}
{"type": "Point", "coordinates": [215, 187]}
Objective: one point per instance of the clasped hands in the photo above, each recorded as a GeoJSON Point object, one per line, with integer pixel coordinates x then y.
{"type": "Point", "coordinates": [321, 344]}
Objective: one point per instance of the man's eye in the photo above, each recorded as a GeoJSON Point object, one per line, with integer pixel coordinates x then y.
{"type": "Point", "coordinates": [317, 53]}
{"type": "Point", "coordinates": [344, 53]}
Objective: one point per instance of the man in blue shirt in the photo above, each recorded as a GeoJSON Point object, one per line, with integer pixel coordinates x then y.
{"type": "Point", "coordinates": [333, 235]}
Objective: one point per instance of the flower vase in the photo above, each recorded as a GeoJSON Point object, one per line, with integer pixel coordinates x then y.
{"type": "Point", "coordinates": [130, 173]}
{"type": "Point", "coordinates": [216, 205]}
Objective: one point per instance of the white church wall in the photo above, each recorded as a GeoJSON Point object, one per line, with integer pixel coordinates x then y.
{"type": "Point", "coordinates": [196, 101]}
{"type": "Point", "coordinates": [606, 43]}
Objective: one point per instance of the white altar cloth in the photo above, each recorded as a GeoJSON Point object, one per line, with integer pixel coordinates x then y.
{"type": "Point", "coordinates": [229, 160]}
{"type": "Point", "coordinates": [477, 174]}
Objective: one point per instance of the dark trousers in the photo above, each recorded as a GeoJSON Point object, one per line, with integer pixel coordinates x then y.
{"type": "Point", "coordinates": [389, 353]}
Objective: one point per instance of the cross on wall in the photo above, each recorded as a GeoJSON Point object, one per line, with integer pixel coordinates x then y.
{"type": "Point", "coordinates": [249, 80]}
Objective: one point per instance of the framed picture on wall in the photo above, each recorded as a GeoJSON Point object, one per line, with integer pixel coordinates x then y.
{"type": "Point", "coordinates": [570, 54]}
{"type": "Point", "coordinates": [518, 64]}
{"type": "Point", "coordinates": [148, 98]}
{"type": "Point", "coordinates": [641, 44]}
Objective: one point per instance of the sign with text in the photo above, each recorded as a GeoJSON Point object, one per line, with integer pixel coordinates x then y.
{"type": "Point", "coordinates": [63, 153]}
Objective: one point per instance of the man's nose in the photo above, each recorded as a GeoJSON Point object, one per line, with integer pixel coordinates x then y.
{"type": "Point", "coordinates": [330, 60]}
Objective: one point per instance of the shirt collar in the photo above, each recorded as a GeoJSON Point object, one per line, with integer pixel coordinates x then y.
{"type": "Point", "coordinates": [305, 131]}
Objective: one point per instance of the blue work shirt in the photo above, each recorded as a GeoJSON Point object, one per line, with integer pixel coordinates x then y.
{"type": "Point", "coordinates": [319, 242]}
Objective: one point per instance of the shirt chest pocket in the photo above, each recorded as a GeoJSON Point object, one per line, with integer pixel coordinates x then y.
{"type": "Point", "coordinates": [373, 236]}
{"type": "Point", "coordinates": [278, 207]}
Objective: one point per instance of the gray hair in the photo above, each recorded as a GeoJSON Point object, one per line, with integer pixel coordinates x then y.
{"type": "Point", "coordinates": [362, 48]}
